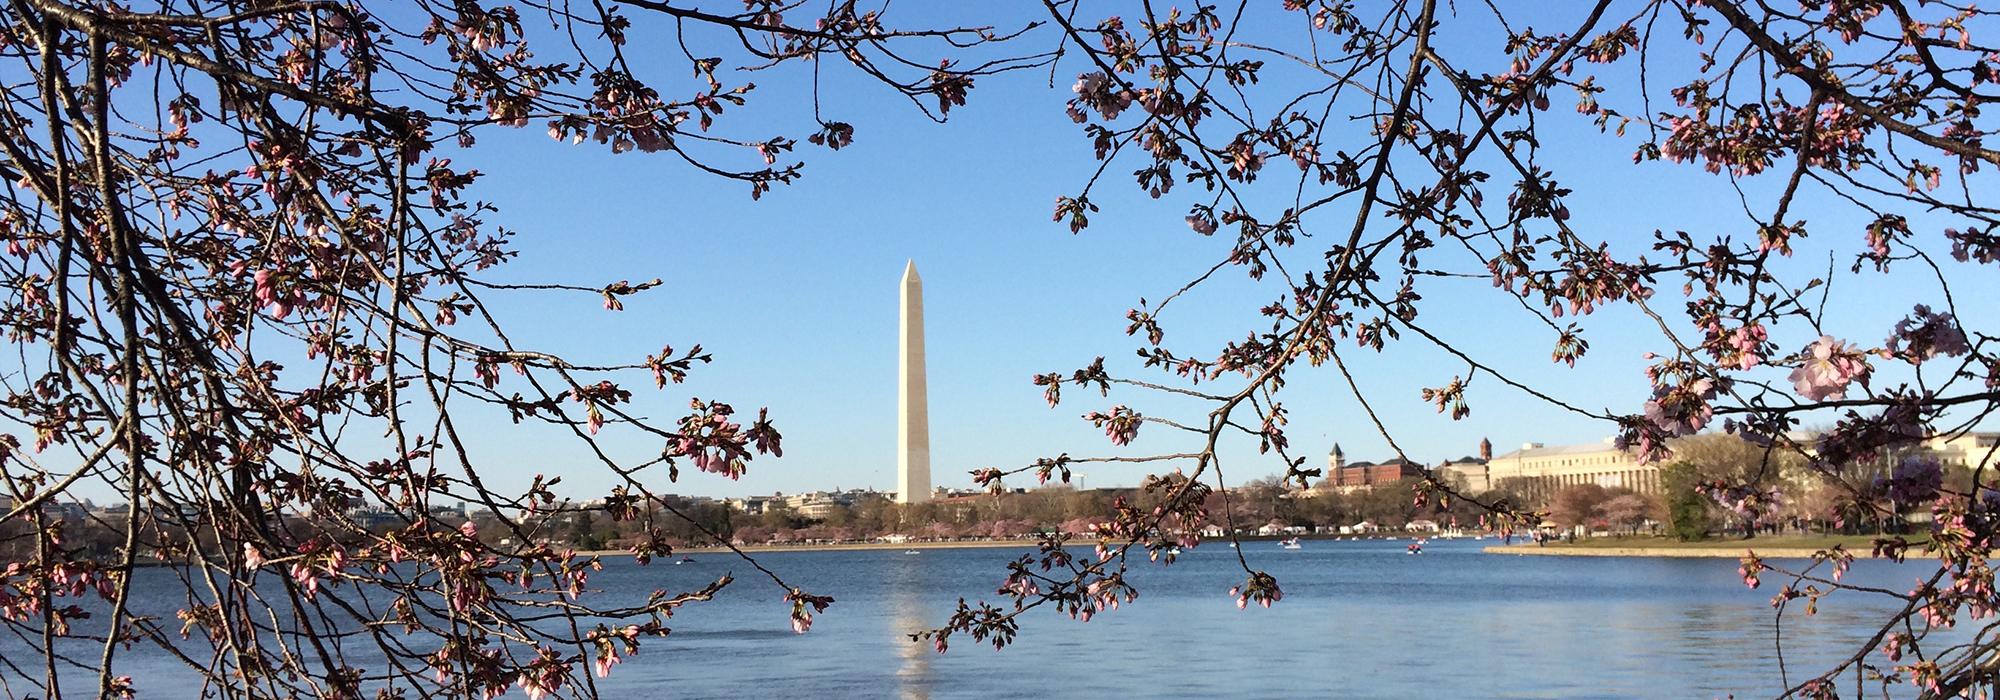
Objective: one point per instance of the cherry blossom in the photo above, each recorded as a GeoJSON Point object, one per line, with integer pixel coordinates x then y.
{"type": "Point", "coordinates": [1923, 335]}
{"type": "Point", "coordinates": [1827, 369]}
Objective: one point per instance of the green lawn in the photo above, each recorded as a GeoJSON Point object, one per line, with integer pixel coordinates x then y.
{"type": "Point", "coordinates": [1861, 544]}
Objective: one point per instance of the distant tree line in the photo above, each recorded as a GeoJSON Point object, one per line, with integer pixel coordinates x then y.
{"type": "Point", "coordinates": [1689, 506]}
{"type": "Point", "coordinates": [1006, 515]}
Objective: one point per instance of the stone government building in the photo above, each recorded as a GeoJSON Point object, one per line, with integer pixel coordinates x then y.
{"type": "Point", "coordinates": [1545, 469]}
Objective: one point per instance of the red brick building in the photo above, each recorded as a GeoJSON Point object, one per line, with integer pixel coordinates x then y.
{"type": "Point", "coordinates": [1373, 473]}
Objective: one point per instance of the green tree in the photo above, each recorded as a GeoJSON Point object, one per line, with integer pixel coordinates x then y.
{"type": "Point", "coordinates": [1688, 517]}
{"type": "Point", "coordinates": [778, 516]}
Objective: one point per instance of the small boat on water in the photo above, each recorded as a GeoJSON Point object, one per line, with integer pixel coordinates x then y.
{"type": "Point", "coordinates": [1415, 547]}
{"type": "Point", "coordinates": [1293, 543]}
{"type": "Point", "coordinates": [1175, 551]}
{"type": "Point", "coordinates": [684, 560]}
{"type": "Point", "coordinates": [912, 551]}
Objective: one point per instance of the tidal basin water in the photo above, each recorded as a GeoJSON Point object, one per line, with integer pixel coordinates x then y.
{"type": "Point", "coordinates": [1359, 619]}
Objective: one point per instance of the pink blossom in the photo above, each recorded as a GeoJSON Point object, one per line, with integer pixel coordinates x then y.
{"type": "Point", "coordinates": [1021, 586]}
{"type": "Point", "coordinates": [265, 290]}
{"type": "Point", "coordinates": [303, 574]}
{"type": "Point", "coordinates": [803, 606]}
{"type": "Point", "coordinates": [1892, 645]}
{"type": "Point", "coordinates": [1830, 365]}
{"type": "Point", "coordinates": [1261, 589]}
{"type": "Point", "coordinates": [1971, 244]}
{"type": "Point", "coordinates": [332, 28]}
{"type": "Point", "coordinates": [1682, 409]}
{"type": "Point", "coordinates": [1201, 224]}
{"type": "Point", "coordinates": [1750, 568]}
{"type": "Point", "coordinates": [1121, 424]}
{"type": "Point", "coordinates": [1744, 344]}
{"type": "Point", "coordinates": [1923, 335]}
{"type": "Point", "coordinates": [1099, 93]}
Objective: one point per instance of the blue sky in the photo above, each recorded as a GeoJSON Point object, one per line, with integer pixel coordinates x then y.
{"type": "Point", "coordinates": [795, 295]}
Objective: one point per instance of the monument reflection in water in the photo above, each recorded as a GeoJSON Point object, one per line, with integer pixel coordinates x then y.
{"type": "Point", "coordinates": [906, 609]}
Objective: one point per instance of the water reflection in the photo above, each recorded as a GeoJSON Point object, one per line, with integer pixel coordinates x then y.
{"type": "Point", "coordinates": [906, 614]}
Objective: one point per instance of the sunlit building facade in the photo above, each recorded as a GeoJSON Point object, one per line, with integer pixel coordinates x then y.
{"type": "Point", "coordinates": [1537, 471]}
{"type": "Point", "coordinates": [1542, 470]}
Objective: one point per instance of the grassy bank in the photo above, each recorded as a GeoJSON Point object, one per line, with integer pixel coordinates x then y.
{"type": "Point", "coordinates": [1778, 547]}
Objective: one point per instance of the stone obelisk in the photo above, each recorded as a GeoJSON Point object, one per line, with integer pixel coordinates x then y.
{"type": "Point", "coordinates": [913, 415]}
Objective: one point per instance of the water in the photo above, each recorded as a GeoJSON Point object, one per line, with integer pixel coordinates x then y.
{"type": "Point", "coordinates": [1359, 619]}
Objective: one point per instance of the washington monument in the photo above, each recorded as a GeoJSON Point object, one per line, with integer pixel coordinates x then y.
{"type": "Point", "coordinates": [913, 416]}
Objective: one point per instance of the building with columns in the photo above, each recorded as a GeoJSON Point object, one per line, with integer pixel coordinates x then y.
{"type": "Point", "coordinates": [1538, 471]}
{"type": "Point", "coordinates": [1969, 450]}
{"type": "Point", "coordinates": [1543, 470]}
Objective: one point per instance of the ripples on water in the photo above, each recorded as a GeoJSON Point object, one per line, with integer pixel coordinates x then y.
{"type": "Point", "coordinates": [1359, 619]}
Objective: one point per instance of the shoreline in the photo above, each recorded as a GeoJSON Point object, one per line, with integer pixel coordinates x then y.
{"type": "Point", "coordinates": [1703, 552]}
{"type": "Point", "coordinates": [843, 547]}
{"type": "Point", "coordinates": [868, 546]}
{"type": "Point", "coordinates": [1657, 552]}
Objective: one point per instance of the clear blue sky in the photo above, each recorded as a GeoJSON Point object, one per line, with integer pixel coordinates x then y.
{"type": "Point", "coordinates": [796, 294]}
